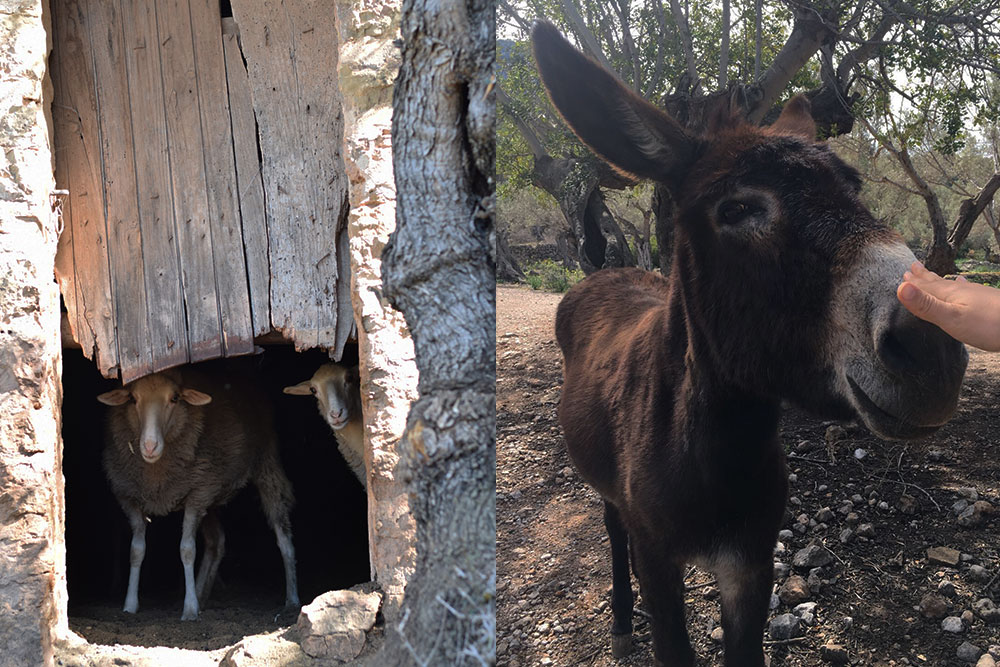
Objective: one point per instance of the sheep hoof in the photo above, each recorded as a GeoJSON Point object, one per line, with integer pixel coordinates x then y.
{"type": "Point", "coordinates": [190, 615]}
{"type": "Point", "coordinates": [621, 645]}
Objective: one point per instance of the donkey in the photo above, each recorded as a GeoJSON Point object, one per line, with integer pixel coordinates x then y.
{"type": "Point", "coordinates": [782, 287]}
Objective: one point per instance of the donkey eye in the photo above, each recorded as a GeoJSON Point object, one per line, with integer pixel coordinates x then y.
{"type": "Point", "coordinates": [175, 398]}
{"type": "Point", "coordinates": [312, 390]}
{"type": "Point", "coordinates": [734, 212]}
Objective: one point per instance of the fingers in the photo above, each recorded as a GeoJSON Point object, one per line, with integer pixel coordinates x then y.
{"type": "Point", "coordinates": [923, 304]}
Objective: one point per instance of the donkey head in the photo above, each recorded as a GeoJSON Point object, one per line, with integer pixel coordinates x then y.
{"type": "Point", "coordinates": [787, 281]}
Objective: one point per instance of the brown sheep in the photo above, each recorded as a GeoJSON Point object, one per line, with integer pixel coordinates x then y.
{"type": "Point", "coordinates": [338, 395]}
{"type": "Point", "coordinates": [183, 439]}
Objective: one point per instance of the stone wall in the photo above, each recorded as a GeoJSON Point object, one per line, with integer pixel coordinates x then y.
{"type": "Point", "coordinates": [368, 64]}
{"type": "Point", "coordinates": [32, 550]}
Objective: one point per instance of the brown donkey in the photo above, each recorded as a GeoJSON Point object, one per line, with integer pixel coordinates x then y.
{"type": "Point", "coordinates": [782, 287]}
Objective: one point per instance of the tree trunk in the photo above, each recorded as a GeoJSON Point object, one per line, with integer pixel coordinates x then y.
{"type": "Point", "coordinates": [940, 254]}
{"type": "Point", "coordinates": [507, 267]}
{"type": "Point", "coordinates": [596, 234]}
{"type": "Point", "coordinates": [437, 271]}
{"type": "Point", "coordinates": [970, 210]}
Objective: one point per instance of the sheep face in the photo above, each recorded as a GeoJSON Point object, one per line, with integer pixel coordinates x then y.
{"type": "Point", "coordinates": [333, 386]}
{"type": "Point", "coordinates": [156, 399]}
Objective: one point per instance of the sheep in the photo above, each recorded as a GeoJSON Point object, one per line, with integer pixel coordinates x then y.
{"type": "Point", "coordinates": [338, 395]}
{"type": "Point", "coordinates": [172, 446]}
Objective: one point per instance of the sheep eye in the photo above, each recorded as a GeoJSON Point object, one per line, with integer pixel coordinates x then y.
{"type": "Point", "coordinates": [734, 212]}
{"type": "Point", "coordinates": [312, 390]}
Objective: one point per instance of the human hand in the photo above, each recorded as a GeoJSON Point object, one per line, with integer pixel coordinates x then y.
{"type": "Point", "coordinates": [966, 311]}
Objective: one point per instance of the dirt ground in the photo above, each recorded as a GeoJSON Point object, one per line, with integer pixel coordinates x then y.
{"type": "Point", "coordinates": [553, 559]}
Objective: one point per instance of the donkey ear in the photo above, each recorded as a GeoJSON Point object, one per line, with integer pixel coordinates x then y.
{"type": "Point", "coordinates": [796, 119]}
{"type": "Point", "coordinates": [624, 129]}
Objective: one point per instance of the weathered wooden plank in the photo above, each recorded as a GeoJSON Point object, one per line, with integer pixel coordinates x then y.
{"type": "Point", "coordinates": [167, 328]}
{"type": "Point", "coordinates": [220, 171]}
{"type": "Point", "coordinates": [251, 189]}
{"type": "Point", "coordinates": [121, 206]}
{"type": "Point", "coordinates": [63, 124]}
{"type": "Point", "coordinates": [187, 156]}
{"type": "Point", "coordinates": [78, 155]}
{"type": "Point", "coordinates": [346, 328]}
{"type": "Point", "coordinates": [291, 52]}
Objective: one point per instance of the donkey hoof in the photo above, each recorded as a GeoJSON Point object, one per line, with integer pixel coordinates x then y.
{"type": "Point", "coordinates": [621, 645]}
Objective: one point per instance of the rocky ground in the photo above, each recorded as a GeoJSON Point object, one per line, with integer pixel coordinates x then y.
{"type": "Point", "coordinates": [888, 556]}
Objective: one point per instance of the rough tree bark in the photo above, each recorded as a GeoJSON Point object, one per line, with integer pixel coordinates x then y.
{"type": "Point", "coordinates": [437, 270]}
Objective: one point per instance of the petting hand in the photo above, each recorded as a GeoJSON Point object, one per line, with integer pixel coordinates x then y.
{"type": "Point", "coordinates": [966, 311]}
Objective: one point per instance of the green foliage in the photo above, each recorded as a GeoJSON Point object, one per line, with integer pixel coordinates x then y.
{"type": "Point", "coordinates": [551, 276]}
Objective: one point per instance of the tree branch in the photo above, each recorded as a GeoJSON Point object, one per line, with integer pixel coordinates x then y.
{"type": "Point", "coordinates": [537, 149]}
{"type": "Point", "coordinates": [971, 209]}
{"type": "Point", "coordinates": [586, 37]}
{"type": "Point", "coordinates": [682, 27]}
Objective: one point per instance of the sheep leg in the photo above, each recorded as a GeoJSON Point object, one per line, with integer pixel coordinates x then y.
{"type": "Point", "coordinates": [276, 497]}
{"type": "Point", "coordinates": [215, 546]}
{"type": "Point", "coordinates": [136, 554]}
{"type": "Point", "coordinates": [192, 517]}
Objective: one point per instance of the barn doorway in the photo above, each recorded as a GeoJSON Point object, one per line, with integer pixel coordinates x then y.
{"type": "Point", "coordinates": [329, 524]}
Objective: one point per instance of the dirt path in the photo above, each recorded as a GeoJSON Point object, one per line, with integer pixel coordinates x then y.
{"type": "Point", "coordinates": [552, 552]}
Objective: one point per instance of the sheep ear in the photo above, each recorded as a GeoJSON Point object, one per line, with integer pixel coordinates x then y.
{"type": "Point", "coordinates": [195, 397]}
{"type": "Point", "coordinates": [301, 389]}
{"type": "Point", "coordinates": [114, 397]}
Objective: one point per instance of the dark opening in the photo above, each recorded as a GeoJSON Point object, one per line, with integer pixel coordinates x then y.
{"type": "Point", "coordinates": [329, 524]}
{"type": "Point", "coordinates": [225, 8]}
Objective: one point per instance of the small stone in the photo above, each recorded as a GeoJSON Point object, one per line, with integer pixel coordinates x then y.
{"type": "Point", "coordinates": [952, 624]}
{"type": "Point", "coordinates": [986, 660]}
{"type": "Point", "coordinates": [860, 453]}
{"type": "Point", "coordinates": [814, 555]}
{"type": "Point", "coordinates": [968, 652]}
{"type": "Point", "coordinates": [718, 635]}
{"type": "Point", "coordinates": [866, 530]}
{"type": "Point", "coordinates": [774, 603]}
{"type": "Point", "coordinates": [994, 651]}
{"type": "Point", "coordinates": [967, 618]}
{"type": "Point", "coordinates": [834, 653]}
{"type": "Point", "coordinates": [934, 605]}
{"type": "Point", "coordinates": [846, 623]}
{"type": "Point", "coordinates": [780, 570]}
{"type": "Point", "coordinates": [978, 573]}
{"type": "Point", "coordinates": [806, 611]}
{"type": "Point", "coordinates": [882, 505]}
{"type": "Point", "coordinates": [822, 488]}
{"type": "Point", "coordinates": [907, 504]}
{"type": "Point", "coordinates": [815, 580]}
{"type": "Point", "coordinates": [975, 514]}
{"type": "Point", "coordinates": [852, 518]}
{"type": "Point", "coordinates": [792, 478]}
{"type": "Point", "coordinates": [959, 506]}
{"type": "Point", "coordinates": [969, 493]}
{"type": "Point", "coordinates": [834, 433]}
{"type": "Point", "coordinates": [945, 555]}
{"type": "Point", "coordinates": [935, 455]}
{"type": "Point", "coordinates": [785, 626]}
{"type": "Point", "coordinates": [824, 515]}
{"type": "Point", "coordinates": [334, 624]}
{"type": "Point", "coordinates": [784, 534]}
{"type": "Point", "coordinates": [947, 588]}
{"type": "Point", "coordinates": [846, 535]}
{"type": "Point", "coordinates": [987, 610]}
{"type": "Point", "coordinates": [794, 590]}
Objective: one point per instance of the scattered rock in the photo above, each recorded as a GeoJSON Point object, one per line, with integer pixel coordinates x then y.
{"type": "Point", "coordinates": [794, 590]}
{"type": "Point", "coordinates": [824, 515]}
{"type": "Point", "coordinates": [907, 504]}
{"type": "Point", "coordinates": [945, 555]}
{"type": "Point", "coordinates": [952, 624]}
{"type": "Point", "coordinates": [780, 570]}
{"type": "Point", "coordinates": [806, 611]}
{"type": "Point", "coordinates": [946, 588]}
{"type": "Point", "coordinates": [959, 506]}
{"type": "Point", "coordinates": [860, 453]}
{"type": "Point", "coordinates": [967, 618]}
{"type": "Point", "coordinates": [978, 573]}
{"type": "Point", "coordinates": [852, 518]}
{"type": "Point", "coordinates": [814, 555]}
{"type": "Point", "coordinates": [968, 652]}
{"type": "Point", "coordinates": [785, 626]}
{"type": "Point", "coordinates": [934, 605]}
{"type": "Point", "coordinates": [334, 624]}
{"type": "Point", "coordinates": [969, 493]}
{"type": "Point", "coordinates": [834, 653]}
{"type": "Point", "coordinates": [975, 514]}
{"type": "Point", "coordinates": [784, 534]}
{"type": "Point", "coordinates": [987, 610]}
{"type": "Point", "coordinates": [986, 660]}
{"type": "Point", "coordinates": [834, 433]}
{"type": "Point", "coordinates": [846, 535]}
{"type": "Point", "coordinates": [718, 635]}
{"type": "Point", "coordinates": [866, 530]}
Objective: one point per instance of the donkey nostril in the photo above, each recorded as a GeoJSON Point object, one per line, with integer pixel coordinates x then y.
{"type": "Point", "coordinates": [893, 352]}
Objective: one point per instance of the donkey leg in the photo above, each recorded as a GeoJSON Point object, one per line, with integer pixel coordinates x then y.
{"type": "Point", "coordinates": [215, 547]}
{"type": "Point", "coordinates": [136, 554]}
{"type": "Point", "coordinates": [744, 592]}
{"type": "Point", "coordinates": [662, 584]}
{"type": "Point", "coordinates": [277, 499]}
{"type": "Point", "coordinates": [621, 583]}
{"type": "Point", "coordinates": [192, 517]}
